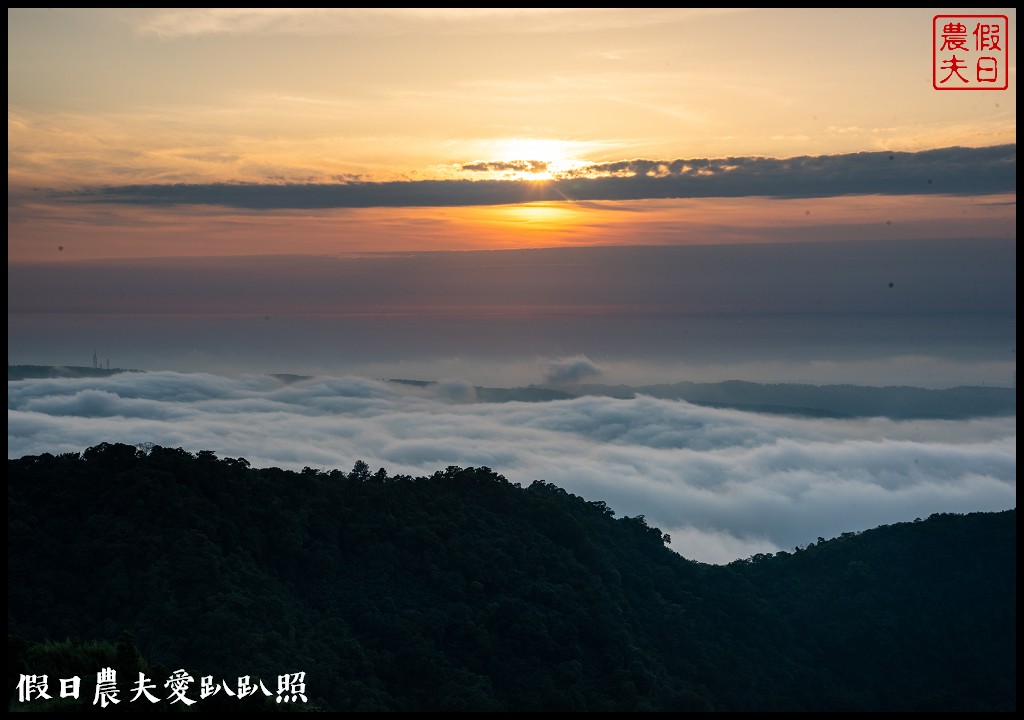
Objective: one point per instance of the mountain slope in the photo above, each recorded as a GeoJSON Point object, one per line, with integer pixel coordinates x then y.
{"type": "Point", "coordinates": [463, 591]}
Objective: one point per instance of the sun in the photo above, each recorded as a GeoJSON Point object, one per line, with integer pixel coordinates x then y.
{"type": "Point", "coordinates": [535, 158]}
{"type": "Point", "coordinates": [525, 159]}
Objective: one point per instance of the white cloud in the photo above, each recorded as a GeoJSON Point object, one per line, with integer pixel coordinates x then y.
{"type": "Point", "coordinates": [173, 22]}
{"type": "Point", "coordinates": [717, 546]}
{"type": "Point", "coordinates": [724, 483]}
{"type": "Point", "coordinates": [454, 391]}
{"type": "Point", "coordinates": [568, 370]}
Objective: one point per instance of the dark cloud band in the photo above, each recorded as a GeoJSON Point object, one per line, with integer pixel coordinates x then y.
{"type": "Point", "coordinates": [957, 170]}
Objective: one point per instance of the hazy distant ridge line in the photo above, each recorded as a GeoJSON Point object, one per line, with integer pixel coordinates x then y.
{"type": "Point", "coordinates": [835, 401]}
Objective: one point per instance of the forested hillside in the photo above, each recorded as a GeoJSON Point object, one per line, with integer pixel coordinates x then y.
{"type": "Point", "coordinates": [462, 591]}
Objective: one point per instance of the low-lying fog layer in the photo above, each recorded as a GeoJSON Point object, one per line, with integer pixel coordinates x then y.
{"type": "Point", "coordinates": [724, 483]}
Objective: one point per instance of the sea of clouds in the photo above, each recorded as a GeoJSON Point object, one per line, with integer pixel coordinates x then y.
{"type": "Point", "coordinates": [724, 484]}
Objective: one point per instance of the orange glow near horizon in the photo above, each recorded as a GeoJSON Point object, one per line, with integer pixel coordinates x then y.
{"type": "Point", "coordinates": [535, 224]}
{"type": "Point", "coordinates": [38, 233]}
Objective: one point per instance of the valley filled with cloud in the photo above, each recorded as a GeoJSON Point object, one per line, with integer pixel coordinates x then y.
{"type": "Point", "coordinates": [725, 484]}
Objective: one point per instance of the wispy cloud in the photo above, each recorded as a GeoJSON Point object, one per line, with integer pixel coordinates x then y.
{"type": "Point", "coordinates": [725, 484]}
{"type": "Point", "coordinates": [389, 21]}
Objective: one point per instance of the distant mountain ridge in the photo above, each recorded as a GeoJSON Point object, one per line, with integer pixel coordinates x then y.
{"type": "Point", "coordinates": [894, 401]}
{"type": "Point", "coordinates": [835, 401]}
{"type": "Point", "coordinates": [28, 372]}
{"type": "Point", "coordinates": [898, 402]}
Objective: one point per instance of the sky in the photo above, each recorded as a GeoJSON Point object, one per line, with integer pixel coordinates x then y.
{"type": "Point", "coordinates": [196, 132]}
{"type": "Point", "coordinates": [478, 196]}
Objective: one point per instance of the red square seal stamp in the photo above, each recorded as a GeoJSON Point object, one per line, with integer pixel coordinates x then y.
{"type": "Point", "coordinates": [970, 52]}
